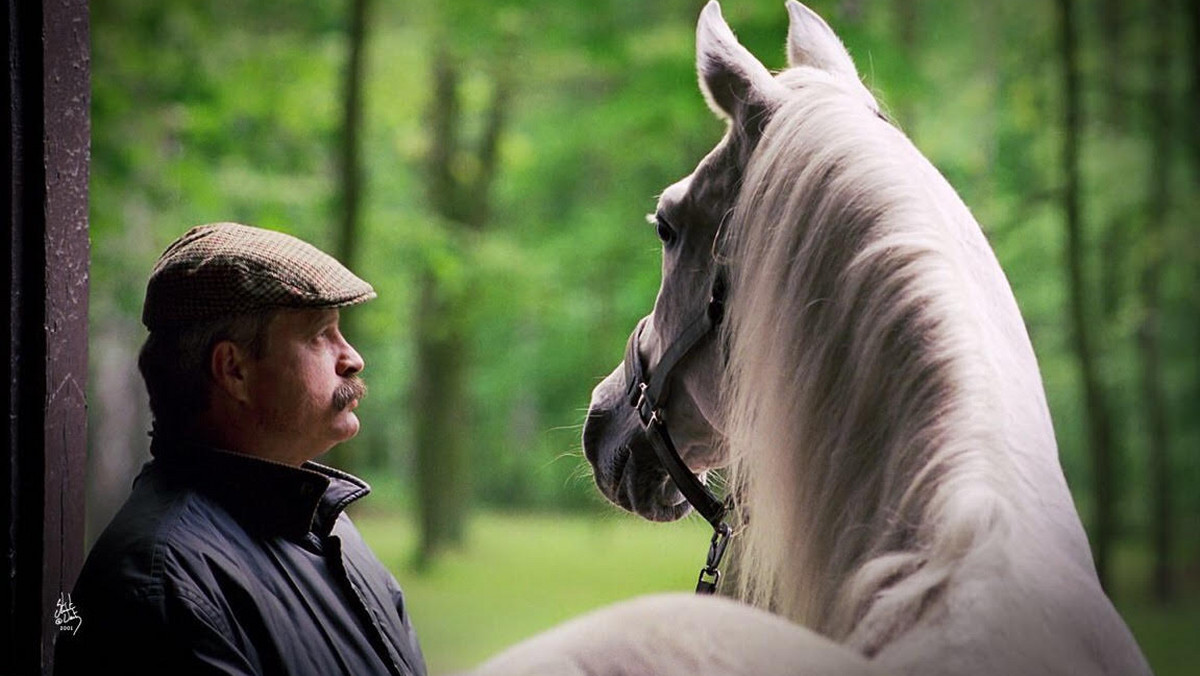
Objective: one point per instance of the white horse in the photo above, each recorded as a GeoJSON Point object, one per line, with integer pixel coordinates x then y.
{"type": "Point", "coordinates": [875, 396]}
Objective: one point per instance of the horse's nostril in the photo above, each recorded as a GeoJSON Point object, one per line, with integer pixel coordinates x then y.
{"type": "Point", "coordinates": [593, 431]}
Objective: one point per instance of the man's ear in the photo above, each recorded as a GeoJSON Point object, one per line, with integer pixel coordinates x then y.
{"type": "Point", "coordinates": [227, 366]}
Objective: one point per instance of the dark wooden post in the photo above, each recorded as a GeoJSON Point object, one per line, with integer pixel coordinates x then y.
{"type": "Point", "coordinates": [46, 275]}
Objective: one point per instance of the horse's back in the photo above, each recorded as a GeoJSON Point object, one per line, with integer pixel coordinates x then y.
{"type": "Point", "coordinates": [1015, 609]}
{"type": "Point", "coordinates": [679, 634]}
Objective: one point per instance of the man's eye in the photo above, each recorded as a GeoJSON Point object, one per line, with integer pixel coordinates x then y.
{"type": "Point", "coordinates": [665, 232]}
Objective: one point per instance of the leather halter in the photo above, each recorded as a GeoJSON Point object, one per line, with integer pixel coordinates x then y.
{"type": "Point", "coordinates": [645, 390]}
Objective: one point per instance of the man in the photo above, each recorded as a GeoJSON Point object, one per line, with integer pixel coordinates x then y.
{"type": "Point", "coordinates": [233, 554]}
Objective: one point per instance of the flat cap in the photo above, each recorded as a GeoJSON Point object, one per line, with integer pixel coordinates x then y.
{"type": "Point", "coordinates": [225, 269]}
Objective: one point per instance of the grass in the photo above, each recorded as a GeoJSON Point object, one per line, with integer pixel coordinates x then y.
{"type": "Point", "coordinates": [1169, 635]}
{"type": "Point", "coordinates": [524, 573]}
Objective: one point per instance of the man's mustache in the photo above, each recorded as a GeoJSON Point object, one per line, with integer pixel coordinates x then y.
{"type": "Point", "coordinates": [353, 388]}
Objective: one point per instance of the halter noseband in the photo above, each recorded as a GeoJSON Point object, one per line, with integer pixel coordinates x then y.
{"type": "Point", "coordinates": [644, 394]}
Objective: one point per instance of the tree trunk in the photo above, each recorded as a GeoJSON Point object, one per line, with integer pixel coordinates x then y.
{"type": "Point", "coordinates": [1113, 18]}
{"type": "Point", "coordinates": [906, 20]}
{"type": "Point", "coordinates": [1116, 239]}
{"type": "Point", "coordinates": [1117, 228]}
{"type": "Point", "coordinates": [347, 455]}
{"type": "Point", "coordinates": [1149, 331]}
{"type": "Point", "coordinates": [1100, 435]}
{"type": "Point", "coordinates": [1193, 18]}
{"type": "Point", "coordinates": [463, 203]}
{"type": "Point", "coordinates": [442, 487]}
{"type": "Point", "coordinates": [351, 169]}
{"type": "Point", "coordinates": [440, 404]}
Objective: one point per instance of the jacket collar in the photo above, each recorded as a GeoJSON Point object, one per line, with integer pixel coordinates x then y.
{"type": "Point", "coordinates": [269, 496]}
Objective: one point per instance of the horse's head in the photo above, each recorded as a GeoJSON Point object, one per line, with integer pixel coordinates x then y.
{"type": "Point", "coordinates": [689, 220]}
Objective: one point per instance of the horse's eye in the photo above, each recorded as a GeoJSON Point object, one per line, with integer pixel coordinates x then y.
{"type": "Point", "coordinates": [665, 232]}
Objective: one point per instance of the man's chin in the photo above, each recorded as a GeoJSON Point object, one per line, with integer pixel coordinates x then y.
{"type": "Point", "coordinates": [346, 426]}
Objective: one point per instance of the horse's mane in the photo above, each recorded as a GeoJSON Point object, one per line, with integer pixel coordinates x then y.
{"type": "Point", "coordinates": [864, 436]}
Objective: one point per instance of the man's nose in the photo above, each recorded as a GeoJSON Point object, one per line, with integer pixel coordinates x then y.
{"type": "Point", "coordinates": [350, 361]}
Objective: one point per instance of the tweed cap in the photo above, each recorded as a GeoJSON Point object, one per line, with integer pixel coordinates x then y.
{"type": "Point", "coordinates": [225, 269]}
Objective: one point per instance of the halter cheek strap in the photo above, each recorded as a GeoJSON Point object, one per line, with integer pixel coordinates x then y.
{"type": "Point", "coordinates": [644, 394]}
{"type": "Point", "coordinates": [700, 326]}
{"type": "Point", "coordinates": [644, 398]}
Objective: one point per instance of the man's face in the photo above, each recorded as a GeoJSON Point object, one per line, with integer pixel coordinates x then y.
{"type": "Point", "coordinates": [304, 389]}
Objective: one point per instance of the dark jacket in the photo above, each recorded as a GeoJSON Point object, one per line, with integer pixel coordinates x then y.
{"type": "Point", "coordinates": [221, 563]}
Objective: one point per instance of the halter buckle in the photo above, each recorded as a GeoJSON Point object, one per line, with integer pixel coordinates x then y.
{"type": "Point", "coordinates": [710, 574]}
{"type": "Point", "coordinates": [649, 413]}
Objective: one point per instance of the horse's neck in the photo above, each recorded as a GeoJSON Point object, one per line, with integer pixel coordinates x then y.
{"type": "Point", "coordinates": [918, 430]}
{"type": "Point", "coordinates": [1001, 490]}
{"type": "Point", "coordinates": [1009, 372]}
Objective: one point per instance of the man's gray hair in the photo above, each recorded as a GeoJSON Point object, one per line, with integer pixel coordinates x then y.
{"type": "Point", "coordinates": [174, 363]}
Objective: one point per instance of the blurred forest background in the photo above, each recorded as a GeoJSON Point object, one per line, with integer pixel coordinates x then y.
{"type": "Point", "coordinates": [487, 165]}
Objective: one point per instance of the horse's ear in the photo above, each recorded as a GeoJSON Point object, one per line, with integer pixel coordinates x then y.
{"type": "Point", "coordinates": [730, 77]}
{"type": "Point", "coordinates": [811, 42]}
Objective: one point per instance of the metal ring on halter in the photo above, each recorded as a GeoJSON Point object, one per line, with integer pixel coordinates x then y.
{"type": "Point", "coordinates": [716, 552]}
